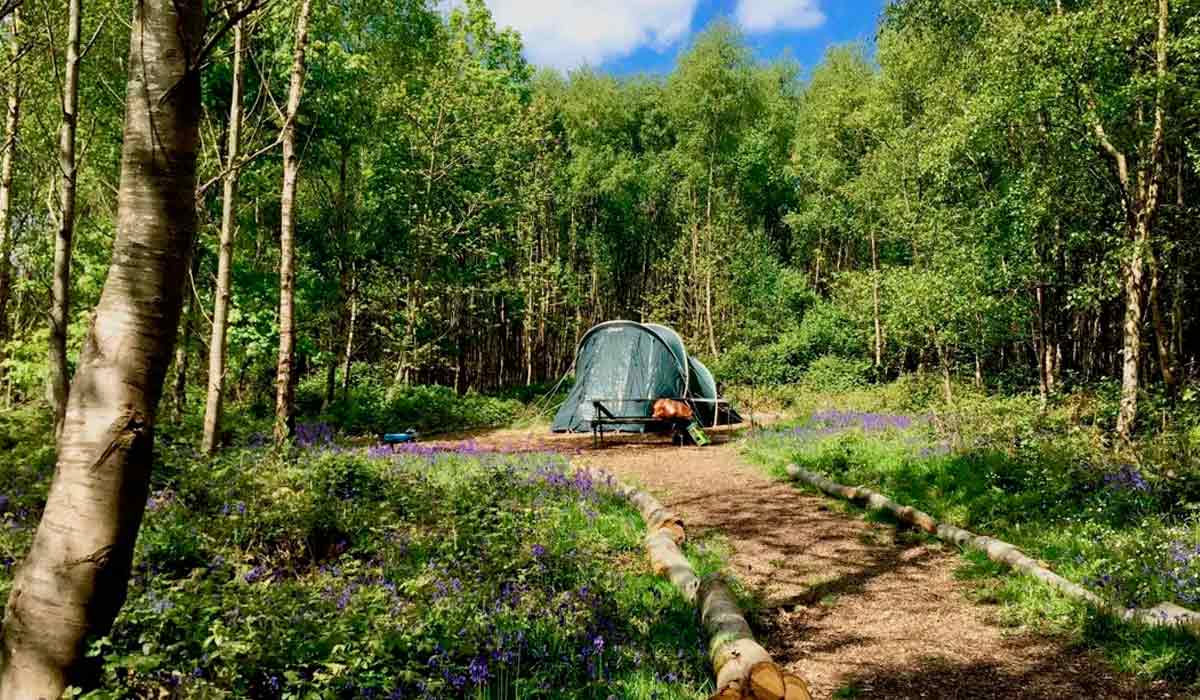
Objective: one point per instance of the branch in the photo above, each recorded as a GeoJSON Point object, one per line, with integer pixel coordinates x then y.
{"type": "Point", "coordinates": [234, 17]}
{"type": "Point", "coordinates": [1093, 115]}
{"type": "Point", "coordinates": [8, 7]}
{"type": "Point", "coordinates": [92, 41]}
{"type": "Point", "coordinates": [1150, 196]}
{"type": "Point", "coordinates": [241, 163]}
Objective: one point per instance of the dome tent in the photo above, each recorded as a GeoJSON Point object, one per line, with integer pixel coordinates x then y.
{"type": "Point", "coordinates": [629, 365]}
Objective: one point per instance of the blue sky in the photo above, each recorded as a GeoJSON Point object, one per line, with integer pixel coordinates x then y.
{"type": "Point", "coordinates": [632, 36]}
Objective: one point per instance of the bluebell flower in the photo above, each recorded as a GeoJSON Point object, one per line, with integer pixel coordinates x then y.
{"type": "Point", "coordinates": [255, 574]}
{"type": "Point", "coordinates": [478, 670]}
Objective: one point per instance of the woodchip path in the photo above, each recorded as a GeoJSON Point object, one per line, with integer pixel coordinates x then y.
{"type": "Point", "coordinates": [855, 607]}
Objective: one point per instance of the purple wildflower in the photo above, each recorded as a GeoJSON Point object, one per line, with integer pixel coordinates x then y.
{"type": "Point", "coordinates": [255, 574]}
{"type": "Point", "coordinates": [478, 670]}
{"type": "Point", "coordinates": [1127, 478]}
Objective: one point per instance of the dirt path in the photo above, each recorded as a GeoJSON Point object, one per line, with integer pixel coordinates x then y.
{"type": "Point", "coordinates": [855, 608]}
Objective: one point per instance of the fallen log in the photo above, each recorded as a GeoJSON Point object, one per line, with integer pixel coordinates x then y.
{"type": "Point", "coordinates": [666, 560]}
{"type": "Point", "coordinates": [1161, 615]}
{"type": "Point", "coordinates": [873, 500]}
{"type": "Point", "coordinates": [743, 669]}
{"type": "Point", "coordinates": [731, 648]}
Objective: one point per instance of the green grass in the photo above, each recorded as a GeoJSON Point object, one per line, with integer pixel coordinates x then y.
{"type": "Point", "coordinates": [1123, 525]}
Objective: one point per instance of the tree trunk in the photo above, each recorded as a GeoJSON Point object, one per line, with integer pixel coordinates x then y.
{"type": "Point", "coordinates": [1043, 349]}
{"type": "Point", "coordinates": [1131, 355]}
{"type": "Point", "coordinates": [1142, 207]}
{"type": "Point", "coordinates": [74, 579]}
{"type": "Point", "coordinates": [60, 301]}
{"type": "Point", "coordinates": [179, 390]}
{"type": "Point", "coordinates": [944, 361]}
{"type": "Point", "coordinates": [708, 233]}
{"type": "Point", "coordinates": [11, 126]}
{"type": "Point", "coordinates": [1162, 335]}
{"type": "Point", "coordinates": [285, 382]}
{"type": "Point", "coordinates": [220, 321]}
{"type": "Point", "coordinates": [347, 358]}
{"type": "Point", "coordinates": [875, 303]}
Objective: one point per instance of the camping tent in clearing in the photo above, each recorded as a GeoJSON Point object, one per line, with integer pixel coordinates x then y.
{"type": "Point", "coordinates": [627, 366]}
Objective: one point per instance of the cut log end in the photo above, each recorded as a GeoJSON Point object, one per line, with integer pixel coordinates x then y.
{"type": "Point", "coordinates": [766, 682]}
{"type": "Point", "coordinates": [733, 691]}
{"type": "Point", "coordinates": [796, 688]}
{"type": "Point", "coordinates": [674, 529]}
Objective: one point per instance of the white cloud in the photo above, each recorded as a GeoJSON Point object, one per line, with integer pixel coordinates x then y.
{"type": "Point", "coordinates": [773, 15]}
{"type": "Point", "coordinates": [569, 33]}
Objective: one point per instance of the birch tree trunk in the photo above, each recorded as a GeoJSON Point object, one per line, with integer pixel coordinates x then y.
{"type": "Point", "coordinates": [1162, 335]}
{"type": "Point", "coordinates": [875, 303]}
{"type": "Point", "coordinates": [60, 300]}
{"type": "Point", "coordinates": [347, 358]}
{"type": "Point", "coordinates": [11, 125]}
{"type": "Point", "coordinates": [220, 322]}
{"type": "Point", "coordinates": [1142, 199]}
{"type": "Point", "coordinates": [284, 381]}
{"type": "Point", "coordinates": [180, 366]}
{"type": "Point", "coordinates": [74, 579]}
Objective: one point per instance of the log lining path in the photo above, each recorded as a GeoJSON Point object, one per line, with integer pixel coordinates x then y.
{"type": "Point", "coordinates": [857, 608]}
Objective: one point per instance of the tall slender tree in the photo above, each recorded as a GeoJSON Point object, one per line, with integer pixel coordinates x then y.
{"type": "Point", "coordinates": [75, 577]}
{"type": "Point", "coordinates": [284, 376]}
{"type": "Point", "coordinates": [1141, 197]}
{"type": "Point", "coordinates": [220, 320]}
{"type": "Point", "coordinates": [11, 125]}
{"type": "Point", "coordinates": [60, 300]}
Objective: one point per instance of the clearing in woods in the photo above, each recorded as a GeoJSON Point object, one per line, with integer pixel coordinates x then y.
{"type": "Point", "coordinates": [854, 607]}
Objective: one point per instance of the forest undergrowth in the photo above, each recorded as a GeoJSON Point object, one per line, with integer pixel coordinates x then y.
{"type": "Point", "coordinates": [327, 571]}
{"type": "Point", "coordinates": [1120, 519]}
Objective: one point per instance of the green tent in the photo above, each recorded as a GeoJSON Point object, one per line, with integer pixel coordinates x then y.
{"type": "Point", "coordinates": [628, 366]}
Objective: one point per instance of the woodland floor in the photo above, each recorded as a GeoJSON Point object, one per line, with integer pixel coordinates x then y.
{"type": "Point", "coordinates": [857, 608]}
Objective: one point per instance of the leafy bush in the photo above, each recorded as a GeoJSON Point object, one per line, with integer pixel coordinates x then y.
{"type": "Point", "coordinates": [832, 373]}
{"type": "Point", "coordinates": [823, 331]}
{"type": "Point", "coordinates": [375, 409]}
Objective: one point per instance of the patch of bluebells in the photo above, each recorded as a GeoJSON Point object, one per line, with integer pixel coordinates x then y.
{"type": "Point", "coordinates": [486, 622]}
{"type": "Point", "coordinates": [832, 422]}
{"type": "Point", "coordinates": [1118, 587]}
{"type": "Point", "coordinates": [869, 422]}
{"type": "Point", "coordinates": [492, 454]}
{"type": "Point", "coordinates": [313, 435]}
{"type": "Point", "coordinates": [238, 508]}
{"type": "Point", "coordinates": [1182, 572]}
{"type": "Point", "coordinates": [1127, 478]}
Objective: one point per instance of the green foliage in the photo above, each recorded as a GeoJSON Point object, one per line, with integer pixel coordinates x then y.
{"type": "Point", "coordinates": [26, 463]}
{"type": "Point", "coordinates": [336, 573]}
{"type": "Point", "coordinates": [371, 409]}
{"type": "Point", "coordinates": [830, 373]}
